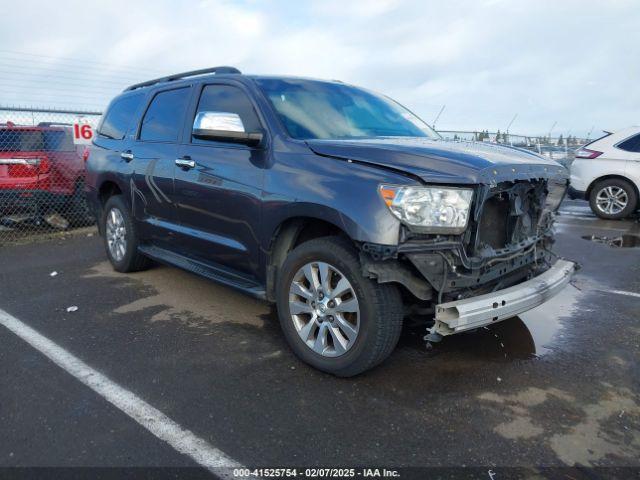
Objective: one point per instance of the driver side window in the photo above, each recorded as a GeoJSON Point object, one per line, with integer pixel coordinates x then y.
{"type": "Point", "coordinates": [228, 99]}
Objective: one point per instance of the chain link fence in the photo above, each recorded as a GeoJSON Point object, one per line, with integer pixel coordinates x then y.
{"type": "Point", "coordinates": [561, 148]}
{"type": "Point", "coordinates": [42, 171]}
{"type": "Point", "coordinates": [42, 167]}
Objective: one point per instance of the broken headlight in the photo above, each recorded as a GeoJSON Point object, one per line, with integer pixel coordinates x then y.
{"type": "Point", "coordinates": [429, 209]}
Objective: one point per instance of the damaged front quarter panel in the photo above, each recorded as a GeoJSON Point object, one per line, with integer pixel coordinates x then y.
{"type": "Point", "coordinates": [508, 242]}
{"type": "Point", "coordinates": [511, 229]}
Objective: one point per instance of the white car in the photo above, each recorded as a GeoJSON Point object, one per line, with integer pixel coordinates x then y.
{"type": "Point", "coordinates": [607, 173]}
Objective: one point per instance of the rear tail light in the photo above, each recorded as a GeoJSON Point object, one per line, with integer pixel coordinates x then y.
{"type": "Point", "coordinates": [21, 170]}
{"type": "Point", "coordinates": [586, 153]}
{"type": "Point", "coordinates": [44, 166]}
{"type": "Point", "coordinates": [26, 167]}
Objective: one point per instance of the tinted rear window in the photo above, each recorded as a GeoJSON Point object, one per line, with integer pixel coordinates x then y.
{"type": "Point", "coordinates": [21, 140]}
{"type": "Point", "coordinates": [117, 120]}
{"type": "Point", "coordinates": [36, 141]}
{"type": "Point", "coordinates": [164, 117]}
{"type": "Point", "coordinates": [631, 144]}
{"type": "Point", "coordinates": [58, 140]}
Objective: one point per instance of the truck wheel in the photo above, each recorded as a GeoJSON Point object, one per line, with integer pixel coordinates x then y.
{"type": "Point", "coordinates": [333, 317]}
{"type": "Point", "coordinates": [613, 199]}
{"type": "Point", "coordinates": [121, 237]}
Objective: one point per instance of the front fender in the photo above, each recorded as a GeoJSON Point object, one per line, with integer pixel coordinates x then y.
{"type": "Point", "coordinates": [371, 226]}
{"type": "Point", "coordinates": [336, 191]}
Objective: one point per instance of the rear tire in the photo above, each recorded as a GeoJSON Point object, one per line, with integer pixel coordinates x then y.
{"type": "Point", "coordinates": [613, 198]}
{"type": "Point", "coordinates": [374, 319]}
{"type": "Point", "coordinates": [121, 237]}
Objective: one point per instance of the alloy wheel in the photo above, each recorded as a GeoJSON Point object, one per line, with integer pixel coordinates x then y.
{"type": "Point", "coordinates": [324, 309]}
{"type": "Point", "coordinates": [612, 200]}
{"type": "Point", "coordinates": [116, 234]}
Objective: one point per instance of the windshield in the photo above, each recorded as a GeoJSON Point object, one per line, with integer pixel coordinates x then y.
{"type": "Point", "coordinates": [312, 109]}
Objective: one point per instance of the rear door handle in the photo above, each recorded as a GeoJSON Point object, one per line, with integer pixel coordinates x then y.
{"type": "Point", "coordinates": [126, 156]}
{"type": "Point", "coordinates": [185, 162]}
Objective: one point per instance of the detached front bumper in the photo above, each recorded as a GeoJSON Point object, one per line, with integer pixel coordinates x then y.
{"type": "Point", "coordinates": [474, 312]}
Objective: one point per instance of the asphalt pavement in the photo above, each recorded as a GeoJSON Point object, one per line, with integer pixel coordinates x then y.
{"type": "Point", "coordinates": [558, 386]}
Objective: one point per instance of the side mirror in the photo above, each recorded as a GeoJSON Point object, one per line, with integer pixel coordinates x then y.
{"type": "Point", "coordinates": [224, 127]}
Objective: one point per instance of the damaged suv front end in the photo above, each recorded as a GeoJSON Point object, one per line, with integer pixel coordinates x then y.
{"type": "Point", "coordinates": [476, 254]}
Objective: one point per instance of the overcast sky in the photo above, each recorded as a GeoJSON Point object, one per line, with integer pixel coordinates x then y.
{"type": "Point", "coordinates": [574, 62]}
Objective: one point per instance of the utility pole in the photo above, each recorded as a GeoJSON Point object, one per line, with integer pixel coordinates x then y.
{"type": "Point", "coordinates": [438, 116]}
{"type": "Point", "coordinates": [509, 126]}
{"type": "Point", "coordinates": [590, 132]}
{"type": "Point", "coordinates": [551, 129]}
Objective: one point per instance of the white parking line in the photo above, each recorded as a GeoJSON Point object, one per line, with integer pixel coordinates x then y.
{"type": "Point", "coordinates": [574, 209]}
{"type": "Point", "coordinates": [562, 218]}
{"type": "Point", "coordinates": [622, 292]}
{"type": "Point", "coordinates": [576, 214]}
{"type": "Point", "coordinates": [181, 439]}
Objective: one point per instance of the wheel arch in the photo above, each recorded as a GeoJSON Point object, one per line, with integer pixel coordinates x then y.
{"type": "Point", "coordinates": [290, 233]}
{"type": "Point", "coordinates": [106, 189]}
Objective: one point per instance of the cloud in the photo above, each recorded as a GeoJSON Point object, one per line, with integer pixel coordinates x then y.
{"type": "Point", "coordinates": [573, 62]}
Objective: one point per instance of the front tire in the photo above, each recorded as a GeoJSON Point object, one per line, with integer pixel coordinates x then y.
{"type": "Point", "coordinates": [613, 198]}
{"type": "Point", "coordinates": [121, 237]}
{"type": "Point", "coordinates": [333, 317]}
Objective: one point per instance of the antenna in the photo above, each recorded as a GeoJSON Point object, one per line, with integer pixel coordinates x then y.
{"type": "Point", "coordinates": [438, 116]}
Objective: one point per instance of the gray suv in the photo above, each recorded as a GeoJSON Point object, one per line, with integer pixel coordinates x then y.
{"type": "Point", "coordinates": [334, 202]}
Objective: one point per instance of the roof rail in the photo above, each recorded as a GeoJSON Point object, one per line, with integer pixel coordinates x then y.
{"type": "Point", "coordinates": [179, 76]}
{"type": "Point", "coordinates": [54, 124]}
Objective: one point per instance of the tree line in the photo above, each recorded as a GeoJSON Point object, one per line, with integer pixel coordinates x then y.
{"type": "Point", "coordinates": [498, 137]}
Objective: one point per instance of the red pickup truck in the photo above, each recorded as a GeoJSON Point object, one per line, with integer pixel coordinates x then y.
{"type": "Point", "coordinates": [41, 172]}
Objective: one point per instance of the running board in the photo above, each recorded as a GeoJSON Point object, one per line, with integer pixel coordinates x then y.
{"type": "Point", "coordinates": [218, 274]}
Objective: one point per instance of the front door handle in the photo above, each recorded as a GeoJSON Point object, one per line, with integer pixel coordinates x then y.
{"type": "Point", "coordinates": [185, 162]}
{"type": "Point", "coordinates": [127, 156]}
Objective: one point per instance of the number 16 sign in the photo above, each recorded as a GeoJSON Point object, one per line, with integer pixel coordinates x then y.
{"type": "Point", "coordinates": [82, 133]}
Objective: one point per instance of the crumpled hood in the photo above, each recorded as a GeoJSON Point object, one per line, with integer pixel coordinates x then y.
{"type": "Point", "coordinates": [441, 161]}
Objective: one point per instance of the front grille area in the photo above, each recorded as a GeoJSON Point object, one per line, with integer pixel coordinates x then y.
{"type": "Point", "coordinates": [509, 216]}
{"type": "Point", "coordinates": [493, 226]}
